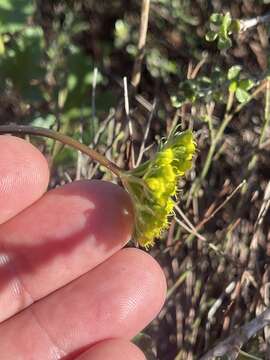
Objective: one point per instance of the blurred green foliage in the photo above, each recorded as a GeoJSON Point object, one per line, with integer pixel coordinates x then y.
{"type": "Point", "coordinates": [21, 64]}
{"type": "Point", "coordinates": [51, 76]}
{"type": "Point", "coordinates": [54, 75]}
{"type": "Point", "coordinates": [23, 45]}
{"type": "Point", "coordinates": [14, 15]}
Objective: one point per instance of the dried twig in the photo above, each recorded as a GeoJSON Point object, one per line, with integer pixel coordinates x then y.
{"type": "Point", "coordinates": [214, 308]}
{"type": "Point", "coordinates": [94, 85]}
{"type": "Point", "coordinates": [228, 198]}
{"type": "Point", "coordinates": [142, 148]}
{"type": "Point", "coordinates": [136, 74]}
{"type": "Point", "coordinates": [80, 157]}
{"type": "Point", "coordinates": [264, 207]}
{"type": "Point", "coordinates": [198, 67]}
{"type": "Point", "coordinates": [189, 227]}
{"type": "Point", "coordinates": [131, 155]}
{"type": "Point", "coordinates": [232, 345]}
{"type": "Point", "coordinates": [190, 230]}
{"type": "Point", "coordinates": [102, 127]}
{"type": "Point", "coordinates": [246, 24]}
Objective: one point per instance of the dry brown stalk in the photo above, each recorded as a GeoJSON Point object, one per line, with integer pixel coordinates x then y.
{"type": "Point", "coordinates": [232, 345]}
{"type": "Point", "coordinates": [136, 74]}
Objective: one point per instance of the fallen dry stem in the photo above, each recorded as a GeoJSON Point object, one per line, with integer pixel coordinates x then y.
{"type": "Point", "coordinates": [232, 345]}
{"type": "Point", "coordinates": [228, 198]}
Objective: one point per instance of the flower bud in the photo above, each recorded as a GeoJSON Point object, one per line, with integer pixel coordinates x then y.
{"type": "Point", "coordinates": [153, 186]}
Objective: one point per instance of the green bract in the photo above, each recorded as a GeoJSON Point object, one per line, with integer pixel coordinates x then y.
{"type": "Point", "coordinates": [154, 184]}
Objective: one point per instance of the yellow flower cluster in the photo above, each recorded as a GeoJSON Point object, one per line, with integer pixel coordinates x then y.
{"type": "Point", "coordinates": [154, 184]}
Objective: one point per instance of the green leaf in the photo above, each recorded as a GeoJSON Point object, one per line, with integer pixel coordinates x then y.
{"type": "Point", "coordinates": [224, 43]}
{"type": "Point", "coordinates": [234, 71]}
{"type": "Point", "coordinates": [211, 36]}
{"type": "Point", "coordinates": [246, 84]}
{"type": "Point", "coordinates": [121, 33]}
{"type": "Point", "coordinates": [216, 18]}
{"type": "Point", "coordinates": [235, 26]}
{"type": "Point", "coordinates": [225, 26]}
{"type": "Point", "coordinates": [46, 121]}
{"type": "Point", "coordinates": [242, 96]}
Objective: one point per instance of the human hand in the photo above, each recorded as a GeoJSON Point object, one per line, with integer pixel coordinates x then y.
{"type": "Point", "coordinates": [67, 290]}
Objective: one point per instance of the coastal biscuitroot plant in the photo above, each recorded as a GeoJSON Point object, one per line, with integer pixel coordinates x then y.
{"type": "Point", "coordinates": [152, 186]}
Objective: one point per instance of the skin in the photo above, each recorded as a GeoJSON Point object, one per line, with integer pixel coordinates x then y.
{"type": "Point", "coordinates": [67, 288]}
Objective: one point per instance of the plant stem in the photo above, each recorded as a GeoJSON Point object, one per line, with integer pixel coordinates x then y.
{"type": "Point", "coordinates": [266, 112]}
{"type": "Point", "coordinates": [136, 73]}
{"type": "Point", "coordinates": [66, 140]}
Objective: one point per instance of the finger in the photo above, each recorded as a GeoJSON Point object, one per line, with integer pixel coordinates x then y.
{"type": "Point", "coordinates": [24, 176]}
{"type": "Point", "coordinates": [117, 299]}
{"type": "Point", "coordinates": [115, 349]}
{"type": "Point", "coordinates": [66, 233]}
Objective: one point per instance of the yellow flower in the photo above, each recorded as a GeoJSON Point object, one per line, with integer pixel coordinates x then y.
{"type": "Point", "coordinates": [154, 184]}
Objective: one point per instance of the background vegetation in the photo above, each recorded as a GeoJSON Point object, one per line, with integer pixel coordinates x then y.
{"type": "Point", "coordinates": [62, 65]}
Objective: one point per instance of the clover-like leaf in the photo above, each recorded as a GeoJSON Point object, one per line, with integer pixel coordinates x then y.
{"type": "Point", "coordinates": [235, 26]}
{"type": "Point", "coordinates": [216, 18]}
{"type": "Point", "coordinates": [242, 95]}
{"type": "Point", "coordinates": [246, 84]}
{"type": "Point", "coordinates": [221, 27]}
{"type": "Point", "coordinates": [224, 43]}
{"type": "Point", "coordinates": [233, 72]}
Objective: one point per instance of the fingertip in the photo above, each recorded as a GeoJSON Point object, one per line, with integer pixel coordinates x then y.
{"type": "Point", "coordinates": [114, 349]}
{"type": "Point", "coordinates": [68, 232]}
{"type": "Point", "coordinates": [112, 213]}
{"type": "Point", "coordinates": [116, 300]}
{"type": "Point", "coordinates": [116, 200]}
{"type": "Point", "coordinates": [24, 175]}
{"type": "Point", "coordinates": [149, 274]}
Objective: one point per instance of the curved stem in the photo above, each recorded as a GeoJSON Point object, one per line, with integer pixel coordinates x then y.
{"type": "Point", "coordinates": [39, 131]}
